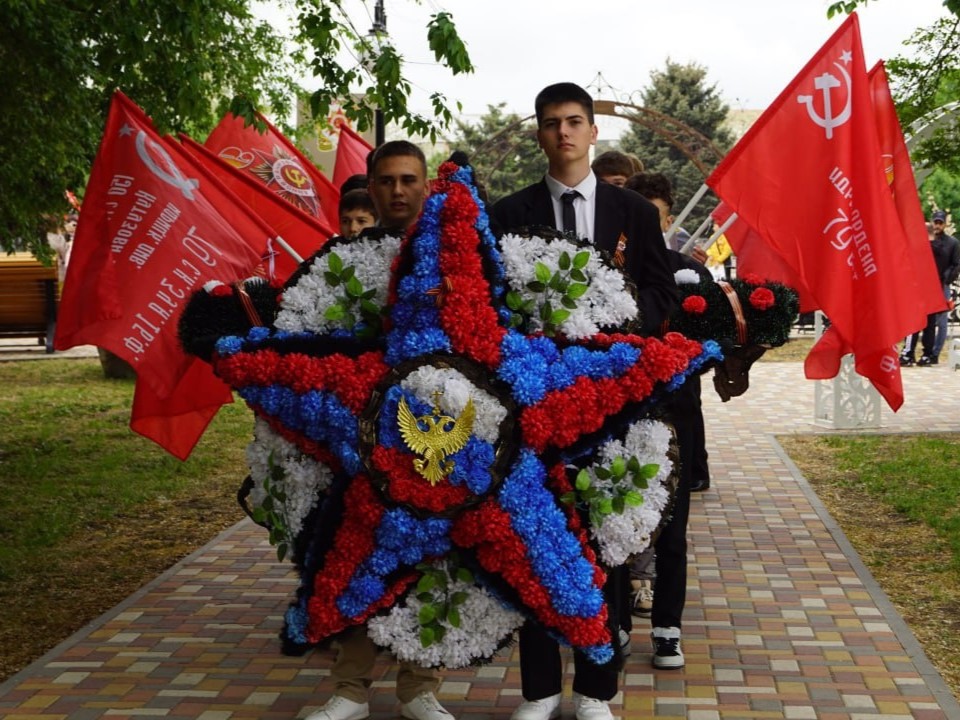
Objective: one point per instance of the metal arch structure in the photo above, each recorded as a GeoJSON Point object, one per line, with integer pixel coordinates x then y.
{"type": "Point", "coordinates": [923, 127]}
{"type": "Point", "coordinates": [696, 146]}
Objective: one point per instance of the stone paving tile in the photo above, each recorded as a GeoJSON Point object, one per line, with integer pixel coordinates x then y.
{"type": "Point", "coordinates": [782, 619]}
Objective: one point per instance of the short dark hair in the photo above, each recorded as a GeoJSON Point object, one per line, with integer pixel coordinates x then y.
{"type": "Point", "coordinates": [612, 162]}
{"type": "Point", "coordinates": [562, 93]}
{"type": "Point", "coordinates": [653, 186]}
{"type": "Point", "coordinates": [395, 148]}
{"type": "Point", "coordinates": [353, 182]}
{"type": "Point", "coordinates": [357, 199]}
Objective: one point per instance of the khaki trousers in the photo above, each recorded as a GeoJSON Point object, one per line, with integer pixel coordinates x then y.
{"type": "Point", "coordinates": [352, 671]}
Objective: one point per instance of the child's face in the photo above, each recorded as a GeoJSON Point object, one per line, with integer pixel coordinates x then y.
{"type": "Point", "coordinates": [353, 221]}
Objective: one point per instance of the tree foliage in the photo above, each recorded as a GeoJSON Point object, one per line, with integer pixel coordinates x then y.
{"type": "Point", "coordinates": [185, 64]}
{"type": "Point", "coordinates": [681, 92]}
{"type": "Point", "coordinates": [503, 151]}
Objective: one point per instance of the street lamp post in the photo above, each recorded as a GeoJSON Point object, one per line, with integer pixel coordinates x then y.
{"type": "Point", "coordinates": [379, 30]}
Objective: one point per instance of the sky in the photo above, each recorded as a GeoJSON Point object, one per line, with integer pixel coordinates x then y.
{"type": "Point", "coordinates": [750, 48]}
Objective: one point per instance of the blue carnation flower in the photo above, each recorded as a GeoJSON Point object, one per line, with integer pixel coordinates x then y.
{"type": "Point", "coordinates": [229, 345]}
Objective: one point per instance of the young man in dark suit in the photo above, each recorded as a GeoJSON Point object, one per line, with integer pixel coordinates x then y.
{"type": "Point", "coordinates": [627, 227]}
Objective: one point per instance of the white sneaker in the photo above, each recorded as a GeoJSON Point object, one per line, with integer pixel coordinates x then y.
{"type": "Point", "coordinates": [624, 642]}
{"type": "Point", "coordinates": [543, 709]}
{"type": "Point", "coordinates": [588, 708]}
{"type": "Point", "coordinates": [340, 708]}
{"type": "Point", "coordinates": [424, 706]}
{"type": "Point", "coordinates": [667, 654]}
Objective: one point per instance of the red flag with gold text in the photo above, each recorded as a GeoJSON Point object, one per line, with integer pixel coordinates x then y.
{"type": "Point", "coordinates": [303, 232]}
{"type": "Point", "coordinates": [277, 163]}
{"type": "Point", "coordinates": [809, 178]}
{"type": "Point", "coordinates": [149, 235]}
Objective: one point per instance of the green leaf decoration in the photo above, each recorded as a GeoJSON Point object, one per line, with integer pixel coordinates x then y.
{"type": "Point", "coordinates": [577, 290]}
{"type": "Point", "coordinates": [464, 575]}
{"type": "Point", "coordinates": [428, 614]}
{"type": "Point", "coordinates": [564, 260]}
{"type": "Point", "coordinates": [641, 482]}
{"type": "Point", "coordinates": [426, 583]}
{"type": "Point", "coordinates": [281, 551]}
{"type": "Point", "coordinates": [459, 598]}
{"type": "Point", "coordinates": [633, 498]}
{"type": "Point", "coordinates": [335, 263]}
{"type": "Point", "coordinates": [427, 636]}
{"type": "Point", "coordinates": [583, 480]}
{"type": "Point", "coordinates": [602, 473]}
{"type": "Point", "coordinates": [558, 316]}
{"type": "Point", "coordinates": [537, 286]}
{"type": "Point", "coordinates": [555, 281]}
{"type": "Point", "coordinates": [605, 506]}
{"type": "Point", "coordinates": [578, 275]}
{"type": "Point", "coordinates": [354, 288]}
{"type": "Point", "coordinates": [425, 597]}
{"type": "Point", "coordinates": [542, 272]}
{"type": "Point", "coordinates": [568, 303]}
{"type": "Point", "coordinates": [633, 465]}
{"type": "Point", "coordinates": [332, 278]}
{"type": "Point", "coordinates": [650, 470]}
{"type": "Point", "coordinates": [618, 468]}
{"type": "Point", "coordinates": [348, 273]}
{"type": "Point", "coordinates": [334, 312]}
{"type": "Point", "coordinates": [568, 498]}
{"type": "Point", "coordinates": [514, 300]}
{"type": "Point", "coordinates": [369, 294]}
{"type": "Point", "coordinates": [370, 308]}
{"type": "Point", "coordinates": [453, 617]}
{"type": "Point", "coordinates": [580, 260]}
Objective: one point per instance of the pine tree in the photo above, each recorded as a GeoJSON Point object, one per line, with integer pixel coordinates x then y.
{"type": "Point", "coordinates": [680, 92]}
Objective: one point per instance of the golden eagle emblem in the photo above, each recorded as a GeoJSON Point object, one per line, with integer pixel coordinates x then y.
{"type": "Point", "coordinates": [438, 440]}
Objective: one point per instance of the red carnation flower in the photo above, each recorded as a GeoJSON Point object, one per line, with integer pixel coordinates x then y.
{"type": "Point", "coordinates": [762, 298]}
{"type": "Point", "coordinates": [695, 305]}
{"type": "Point", "coordinates": [751, 279]}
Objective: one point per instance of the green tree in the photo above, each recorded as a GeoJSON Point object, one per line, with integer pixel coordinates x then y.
{"type": "Point", "coordinates": [503, 151]}
{"type": "Point", "coordinates": [185, 64]}
{"type": "Point", "coordinates": [680, 92]}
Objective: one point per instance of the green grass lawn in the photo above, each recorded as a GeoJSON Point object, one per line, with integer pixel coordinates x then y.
{"type": "Point", "coordinates": [69, 461]}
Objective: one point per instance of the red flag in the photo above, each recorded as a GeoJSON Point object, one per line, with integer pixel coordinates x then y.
{"type": "Point", "coordinates": [755, 256]}
{"type": "Point", "coordinates": [899, 174]}
{"type": "Point", "coordinates": [277, 163]}
{"type": "Point", "coordinates": [352, 151]}
{"type": "Point", "coordinates": [809, 178]}
{"type": "Point", "coordinates": [149, 235]}
{"type": "Point", "coordinates": [303, 232]}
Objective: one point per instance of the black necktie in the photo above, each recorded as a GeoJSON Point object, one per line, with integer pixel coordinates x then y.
{"type": "Point", "coordinates": [569, 216]}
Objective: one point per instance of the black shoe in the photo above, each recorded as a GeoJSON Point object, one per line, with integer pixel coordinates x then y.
{"type": "Point", "coordinates": [927, 360]}
{"type": "Point", "coordinates": [907, 361]}
{"type": "Point", "coordinates": [700, 485]}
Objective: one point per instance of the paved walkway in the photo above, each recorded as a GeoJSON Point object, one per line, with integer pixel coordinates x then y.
{"type": "Point", "coordinates": [782, 620]}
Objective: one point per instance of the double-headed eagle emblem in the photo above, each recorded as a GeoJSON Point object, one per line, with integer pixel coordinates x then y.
{"type": "Point", "coordinates": [443, 435]}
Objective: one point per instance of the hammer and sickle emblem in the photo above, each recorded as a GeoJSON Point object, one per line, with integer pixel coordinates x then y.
{"type": "Point", "coordinates": [296, 177]}
{"type": "Point", "coordinates": [147, 149]}
{"type": "Point", "coordinates": [825, 84]}
{"type": "Point", "coordinates": [889, 363]}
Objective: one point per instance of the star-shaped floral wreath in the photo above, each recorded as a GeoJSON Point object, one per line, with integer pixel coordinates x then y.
{"type": "Point", "coordinates": [562, 473]}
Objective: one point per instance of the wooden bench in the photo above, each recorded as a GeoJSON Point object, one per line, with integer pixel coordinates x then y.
{"type": "Point", "coordinates": [29, 293]}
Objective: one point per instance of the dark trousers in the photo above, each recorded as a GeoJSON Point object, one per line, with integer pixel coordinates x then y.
{"type": "Point", "coordinates": [670, 591]}
{"type": "Point", "coordinates": [541, 667]}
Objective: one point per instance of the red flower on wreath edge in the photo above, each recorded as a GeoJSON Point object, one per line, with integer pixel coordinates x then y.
{"type": "Point", "coordinates": [762, 299]}
{"type": "Point", "coordinates": [695, 305]}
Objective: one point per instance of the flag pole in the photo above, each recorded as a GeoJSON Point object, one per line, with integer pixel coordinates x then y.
{"type": "Point", "coordinates": [720, 231]}
{"type": "Point", "coordinates": [692, 240]}
{"type": "Point", "coordinates": [668, 236]}
{"type": "Point", "coordinates": [289, 250]}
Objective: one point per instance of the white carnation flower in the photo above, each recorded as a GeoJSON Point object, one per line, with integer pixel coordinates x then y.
{"type": "Point", "coordinates": [304, 305]}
